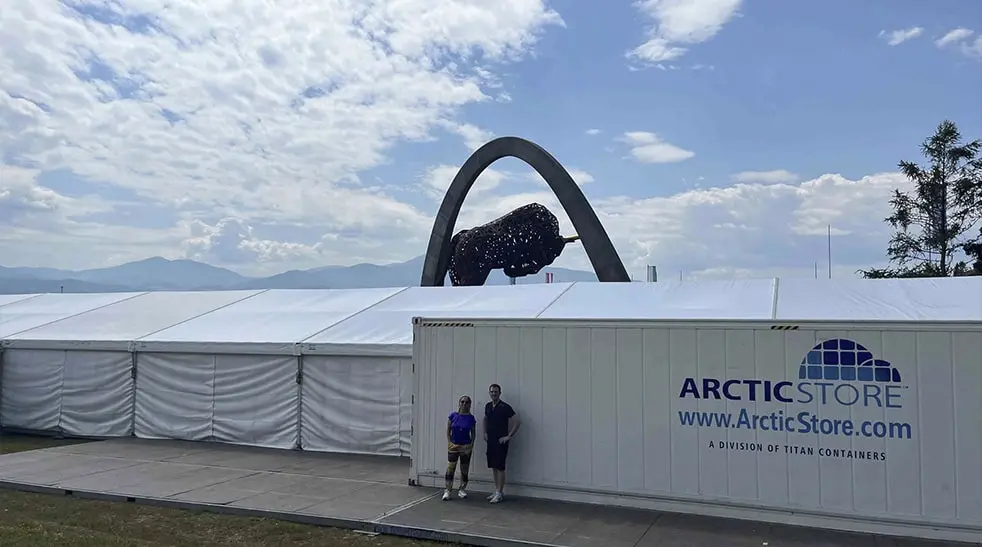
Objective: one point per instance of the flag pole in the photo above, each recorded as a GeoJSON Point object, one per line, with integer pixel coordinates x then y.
{"type": "Point", "coordinates": [830, 251]}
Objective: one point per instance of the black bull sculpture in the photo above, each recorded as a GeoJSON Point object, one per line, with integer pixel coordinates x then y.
{"type": "Point", "coordinates": [521, 243]}
{"type": "Point", "coordinates": [442, 247]}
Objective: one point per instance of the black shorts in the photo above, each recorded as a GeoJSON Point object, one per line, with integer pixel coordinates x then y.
{"type": "Point", "coordinates": [497, 454]}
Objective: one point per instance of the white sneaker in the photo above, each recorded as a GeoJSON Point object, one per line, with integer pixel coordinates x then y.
{"type": "Point", "coordinates": [446, 495]}
{"type": "Point", "coordinates": [492, 495]}
{"type": "Point", "coordinates": [462, 494]}
{"type": "Point", "coordinates": [496, 498]}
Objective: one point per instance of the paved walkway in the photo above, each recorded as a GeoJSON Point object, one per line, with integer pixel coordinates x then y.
{"type": "Point", "coordinates": [372, 494]}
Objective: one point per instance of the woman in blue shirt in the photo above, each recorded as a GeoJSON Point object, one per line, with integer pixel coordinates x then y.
{"type": "Point", "coordinates": [461, 431]}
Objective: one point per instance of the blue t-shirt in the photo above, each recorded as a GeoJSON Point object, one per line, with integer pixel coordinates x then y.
{"type": "Point", "coordinates": [460, 427]}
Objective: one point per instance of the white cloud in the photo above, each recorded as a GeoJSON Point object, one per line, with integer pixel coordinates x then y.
{"type": "Point", "coordinates": [249, 110]}
{"type": "Point", "coordinates": [897, 37]}
{"type": "Point", "coordinates": [769, 177]}
{"type": "Point", "coordinates": [974, 48]}
{"type": "Point", "coordinates": [592, 132]}
{"type": "Point", "coordinates": [243, 119]}
{"type": "Point", "coordinates": [744, 229]}
{"type": "Point", "coordinates": [961, 39]}
{"type": "Point", "coordinates": [24, 202]}
{"type": "Point", "coordinates": [231, 241]}
{"type": "Point", "coordinates": [474, 137]}
{"type": "Point", "coordinates": [40, 226]}
{"type": "Point", "coordinates": [580, 177]}
{"type": "Point", "coordinates": [650, 148]}
{"type": "Point", "coordinates": [750, 229]}
{"type": "Point", "coordinates": [676, 24]}
{"type": "Point", "coordinates": [953, 36]}
{"type": "Point", "coordinates": [436, 180]}
{"type": "Point", "coordinates": [235, 243]}
{"type": "Point", "coordinates": [21, 196]}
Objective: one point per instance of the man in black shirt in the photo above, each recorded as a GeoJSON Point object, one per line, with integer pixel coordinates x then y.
{"type": "Point", "coordinates": [501, 422]}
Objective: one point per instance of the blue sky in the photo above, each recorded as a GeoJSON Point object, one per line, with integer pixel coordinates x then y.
{"type": "Point", "coordinates": [194, 132]}
{"type": "Point", "coordinates": [795, 85]}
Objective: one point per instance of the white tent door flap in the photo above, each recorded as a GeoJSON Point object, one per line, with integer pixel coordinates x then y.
{"type": "Point", "coordinates": [175, 396]}
{"type": "Point", "coordinates": [241, 399]}
{"type": "Point", "coordinates": [256, 400]}
{"type": "Point", "coordinates": [85, 393]}
{"type": "Point", "coordinates": [31, 396]}
{"type": "Point", "coordinates": [97, 394]}
{"type": "Point", "coordinates": [353, 404]}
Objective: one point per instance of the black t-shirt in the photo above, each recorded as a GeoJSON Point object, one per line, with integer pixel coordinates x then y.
{"type": "Point", "coordinates": [497, 418]}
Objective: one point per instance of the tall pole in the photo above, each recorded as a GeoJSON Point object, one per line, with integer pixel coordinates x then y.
{"type": "Point", "coordinates": [830, 251]}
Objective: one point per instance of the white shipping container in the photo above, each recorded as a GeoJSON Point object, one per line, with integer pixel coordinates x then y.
{"type": "Point", "coordinates": [864, 426]}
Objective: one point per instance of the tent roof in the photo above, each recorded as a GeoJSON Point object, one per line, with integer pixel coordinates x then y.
{"type": "Point", "coordinates": [928, 299]}
{"type": "Point", "coordinates": [11, 298]}
{"type": "Point", "coordinates": [389, 322]}
{"type": "Point", "coordinates": [47, 308]}
{"type": "Point", "coordinates": [130, 319]}
{"type": "Point", "coordinates": [724, 300]}
{"type": "Point", "coordinates": [276, 318]}
{"type": "Point", "coordinates": [379, 320]}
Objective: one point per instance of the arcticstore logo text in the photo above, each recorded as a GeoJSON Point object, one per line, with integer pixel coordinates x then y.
{"type": "Point", "coordinates": [836, 372]}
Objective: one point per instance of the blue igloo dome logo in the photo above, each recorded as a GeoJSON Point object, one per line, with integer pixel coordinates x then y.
{"type": "Point", "coordinates": [844, 360]}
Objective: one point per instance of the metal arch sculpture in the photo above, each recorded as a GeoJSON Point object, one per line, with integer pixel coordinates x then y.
{"type": "Point", "coordinates": [606, 263]}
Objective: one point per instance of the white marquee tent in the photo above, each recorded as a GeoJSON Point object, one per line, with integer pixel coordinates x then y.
{"type": "Point", "coordinates": [331, 370]}
{"type": "Point", "coordinates": [11, 298]}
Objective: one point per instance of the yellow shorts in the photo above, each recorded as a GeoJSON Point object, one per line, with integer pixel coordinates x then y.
{"type": "Point", "coordinates": [460, 448]}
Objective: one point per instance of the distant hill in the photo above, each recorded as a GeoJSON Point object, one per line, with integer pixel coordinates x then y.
{"type": "Point", "coordinates": [156, 274]}
{"type": "Point", "coordinates": [160, 274]}
{"type": "Point", "coordinates": [398, 274]}
{"type": "Point", "coordinates": [28, 285]}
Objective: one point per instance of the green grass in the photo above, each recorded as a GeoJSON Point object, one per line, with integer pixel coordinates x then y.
{"type": "Point", "coordinates": [42, 520]}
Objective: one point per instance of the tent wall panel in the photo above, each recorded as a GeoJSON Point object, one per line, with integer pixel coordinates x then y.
{"type": "Point", "coordinates": [405, 406]}
{"type": "Point", "coordinates": [175, 396]}
{"type": "Point", "coordinates": [97, 394]}
{"type": "Point", "coordinates": [353, 404]}
{"type": "Point", "coordinates": [31, 389]}
{"type": "Point", "coordinates": [257, 400]}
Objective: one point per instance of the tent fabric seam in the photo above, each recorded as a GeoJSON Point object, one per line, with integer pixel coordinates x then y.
{"type": "Point", "coordinates": [21, 300]}
{"type": "Point", "coordinates": [775, 287]}
{"type": "Point", "coordinates": [352, 315]}
{"type": "Point", "coordinates": [553, 301]}
{"type": "Point", "coordinates": [202, 314]}
{"type": "Point", "coordinates": [83, 312]}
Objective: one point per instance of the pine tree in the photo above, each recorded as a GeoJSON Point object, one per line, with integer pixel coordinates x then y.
{"type": "Point", "coordinates": [935, 222]}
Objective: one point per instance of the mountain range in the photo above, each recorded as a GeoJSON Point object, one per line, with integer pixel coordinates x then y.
{"type": "Point", "coordinates": [161, 274]}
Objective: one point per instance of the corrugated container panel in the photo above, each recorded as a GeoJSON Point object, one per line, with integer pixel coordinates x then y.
{"type": "Point", "coordinates": [898, 414]}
